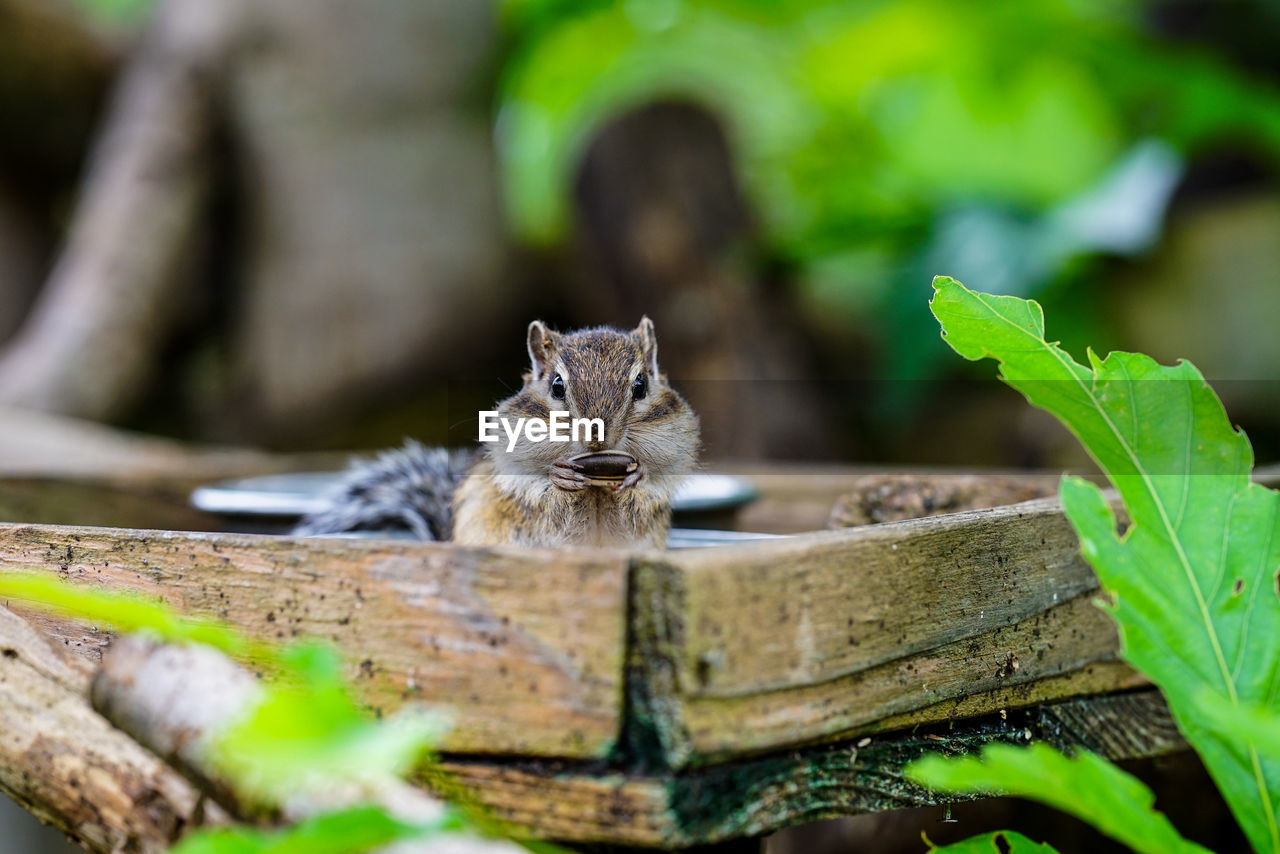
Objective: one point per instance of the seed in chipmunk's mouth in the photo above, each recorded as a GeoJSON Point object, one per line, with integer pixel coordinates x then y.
{"type": "Point", "coordinates": [605, 465]}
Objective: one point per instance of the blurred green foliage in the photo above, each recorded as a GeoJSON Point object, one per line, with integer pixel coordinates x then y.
{"type": "Point", "coordinates": [117, 11]}
{"type": "Point", "coordinates": [352, 831]}
{"type": "Point", "coordinates": [308, 733]}
{"type": "Point", "coordinates": [882, 142]}
{"type": "Point", "coordinates": [305, 736]}
{"type": "Point", "coordinates": [1086, 785]}
{"type": "Point", "coordinates": [848, 115]}
{"type": "Point", "coordinates": [885, 141]}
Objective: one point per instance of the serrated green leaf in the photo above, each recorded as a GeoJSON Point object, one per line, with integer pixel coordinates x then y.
{"type": "Point", "coordinates": [1088, 786]}
{"type": "Point", "coordinates": [1193, 578]}
{"type": "Point", "coordinates": [999, 842]}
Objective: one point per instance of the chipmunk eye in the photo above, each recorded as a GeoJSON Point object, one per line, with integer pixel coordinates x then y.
{"type": "Point", "coordinates": [641, 386]}
{"type": "Point", "coordinates": [557, 387]}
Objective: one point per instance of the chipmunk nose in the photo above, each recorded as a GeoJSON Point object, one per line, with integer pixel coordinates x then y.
{"type": "Point", "coordinates": [602, 441]}
{"type": "Point", "coordinates": [609, 442]}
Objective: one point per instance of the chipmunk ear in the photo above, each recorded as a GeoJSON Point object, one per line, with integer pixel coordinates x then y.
{"type": "Point", "coordinates": [648, 345]}
{"type": "Point", "coordinates": [542, 343]}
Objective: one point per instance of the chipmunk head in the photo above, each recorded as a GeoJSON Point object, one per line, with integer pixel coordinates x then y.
{"type": "Point", "coordinates": [611, 375]}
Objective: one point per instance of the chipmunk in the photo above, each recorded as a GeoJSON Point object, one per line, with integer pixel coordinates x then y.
{"type": "Point", "coordinates": [537, 493]}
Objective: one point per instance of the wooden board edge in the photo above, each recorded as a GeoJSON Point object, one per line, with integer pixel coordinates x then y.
{"type": "Point", "coordinates": [400, 612]}
{"type": "Point", "coordinates": [599, 804]}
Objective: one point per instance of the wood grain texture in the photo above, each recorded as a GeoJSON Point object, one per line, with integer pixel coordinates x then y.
{"type": "Point", "coordinates": [568, 802]}
{"type": "Point", "coordinates": [809, 609]}
{"type": "Point", "coordinates": [787, 642]}
{"type": "Point", "coordinates": [1067, 639]}
{"type": "Point", "coordinates": [756, 796]}
{"type": "Point", "coordinates": [525, 645]}
{"type": "Point", "coordinates": [1094, 679]}
{"type": "Point", "coordinates": [1134, 725]}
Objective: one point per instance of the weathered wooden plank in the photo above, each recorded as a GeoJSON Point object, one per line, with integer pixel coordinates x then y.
{"type": "Point", "coordinates": [567, 801]}
{"type": "Point", "coordinates": [792, 641]}
{"type": "Point", "coordinates": [526, 645]}
{"type": "Point", "coordinates": [1098, 678]}
{"type": "Point", "coordinates": [570, 802]}
{"type": "Point", "coordinates": [809, 609]}
{"type": "Point", "coordinates": [735, 650]}
{"type": "Point", "coordinates": [1063, 640]}
{"type": "Point", "coordinates": [1135, 725]}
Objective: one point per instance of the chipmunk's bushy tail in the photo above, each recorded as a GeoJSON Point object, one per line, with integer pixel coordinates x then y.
{"type": "Point", "coordinates": [410, 487]}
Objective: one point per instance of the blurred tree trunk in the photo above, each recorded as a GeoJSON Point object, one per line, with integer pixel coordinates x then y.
{"type": "Point", "coordinates": [19, 263]}
{"type": "Point", "coordinates": [87, 347]}
{"type": "Point", "coordinates": [54, 70]}
{"type": "Point", "coordinates": [374, 251]}
{"type": "Point", "coordinates": [667, 231]}
{"type": "Point", "coordinates": [368, 250]}
{"type": "Point", "coordinates": [291, 216]}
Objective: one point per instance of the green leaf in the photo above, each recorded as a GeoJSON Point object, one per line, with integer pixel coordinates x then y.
{"type": "Point", "coordinates": [1088, 786]}
{"type": "Point", "coordinates": [235, 840]}
{"type": "Point", "coordinates": [308, 732]}
{"type": "Point", "coordinates": [1193, 579]}
{"type": "Point", "coordinates": [118, 11]}
{"type": "Point", "coordinates": [1252, 724]}
{"type": "Point", "coordinates": [350, 831]}
{"type": "Point", "coordinates": [999, 842]}
{"type": "Point", "coordinates": [124, 612]}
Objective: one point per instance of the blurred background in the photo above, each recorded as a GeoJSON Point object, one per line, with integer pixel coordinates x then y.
{"type": "Point", "coordinates": [318, 224]}
{"type": "Point", "coordinates": [323, 224]}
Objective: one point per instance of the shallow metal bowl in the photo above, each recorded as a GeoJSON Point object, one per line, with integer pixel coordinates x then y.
{"type": "Point", "coordinates": [286, 497]}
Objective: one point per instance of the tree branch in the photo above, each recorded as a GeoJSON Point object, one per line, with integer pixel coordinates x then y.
{"type": "Point", "coordinates": [67, 765]}
{"type": "Point", "coordinates": [89, 342]}
{"type": "Point", "coordinates": [172, 698]}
